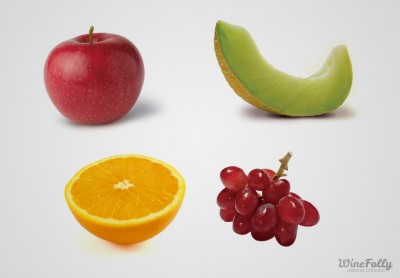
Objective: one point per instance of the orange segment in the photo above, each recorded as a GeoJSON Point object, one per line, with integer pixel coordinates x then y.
{"type": "Point", "coordinates": [125, 199]}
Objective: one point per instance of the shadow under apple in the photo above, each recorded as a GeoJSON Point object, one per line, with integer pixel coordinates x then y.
{"type": "Point", "coordinates": [142, 109]}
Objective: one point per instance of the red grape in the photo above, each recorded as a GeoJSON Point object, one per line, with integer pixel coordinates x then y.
{"type": "Point", "coordinates": [246, 201]}
{"type": "Point", "coordinates": [226, 199]}
{"type": "Point", "coordinates": [278, 189]}
{"type": "Point", "coordinates": [257, 179]}
{"type": "Point", "coordinates": [261, 203]}
{"type": "Point", "coordinates": [285, 233]}
{"type": "Point", "coordinates": [270, 173]}
{"type": "Point", "coordinates": [264, 218]}
{"type": "Point", "coordinates": [227, 214]}
{"type": "Point", "coordinates": [262, 236]}
{"type": "Point", "coordinates": [311, 214]}
{"type": "Point", "coordinates": [290, 210]}
{"type": "Point", "coordinates": [233, 178]}
{"type": "Point", "coordinates": [241, 224]}
{"type": "Point", "coordinates": [292, 194]}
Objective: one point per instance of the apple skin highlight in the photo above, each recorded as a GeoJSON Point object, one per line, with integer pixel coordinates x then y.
{"type": "Point", "coordinates": [94, 82]}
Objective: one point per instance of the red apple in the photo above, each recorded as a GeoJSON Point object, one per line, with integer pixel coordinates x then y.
{"type": "Point", "coordinates": [94, 78]}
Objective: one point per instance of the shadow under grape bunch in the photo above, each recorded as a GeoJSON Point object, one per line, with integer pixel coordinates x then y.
{"type": "Point", "coordinates": [262, 204]}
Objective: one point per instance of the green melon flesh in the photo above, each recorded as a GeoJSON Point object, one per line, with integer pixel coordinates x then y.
{"type": "Point", "coordinates": [267, 88]}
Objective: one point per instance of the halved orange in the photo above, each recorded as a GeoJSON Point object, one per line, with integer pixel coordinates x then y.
{"type": "Point", "coordinates": [125, 199]}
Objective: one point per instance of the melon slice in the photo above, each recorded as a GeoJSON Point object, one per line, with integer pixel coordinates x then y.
{"type": "Point", "coordinates": [269, 89]}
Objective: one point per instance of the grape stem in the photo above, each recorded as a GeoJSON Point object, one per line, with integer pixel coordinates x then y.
{"type": "Point", "coordinates": [284, 166]}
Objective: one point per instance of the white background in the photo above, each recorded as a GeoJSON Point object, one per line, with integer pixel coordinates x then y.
{"type": "Point", "coordinates": [346, 163]}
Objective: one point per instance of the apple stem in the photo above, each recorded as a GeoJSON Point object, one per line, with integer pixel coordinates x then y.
{"type": "Point", "coordinates": [91, 29]}
{"type": "Point", "coordinates": [284, 166]}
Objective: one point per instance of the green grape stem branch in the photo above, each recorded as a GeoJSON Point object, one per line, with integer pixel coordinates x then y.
{"type": "Point", "coordinates": [284, 166]}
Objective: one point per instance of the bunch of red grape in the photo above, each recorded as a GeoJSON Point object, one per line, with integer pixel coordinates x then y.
{"type": "Point", "coordinates": [261, 203]}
